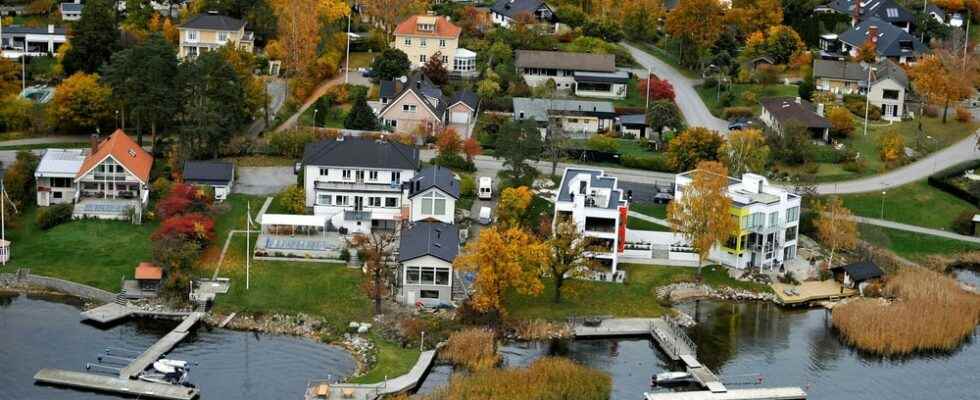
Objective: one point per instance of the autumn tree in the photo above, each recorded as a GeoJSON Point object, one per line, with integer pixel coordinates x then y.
{"type": "Point", "coordinates": [93, 38]}
{"type": "Point", "coordinates": [388, 13]}
{"type": "Point", "coordinates": [697, 23]}
{"type": "Point", "coordinates": [944, 78]}
{"type": "Point", "coordinates": [9, 77]}
{"type": "Point", "coordinates": [641, 18]}
{"type": "Point", "coordinates": [664, 114]}
{"type": "Point", "coordinates": [570, 255]}
{"type": "Point", "coordinates": [471, 148]}
{"type": "Point", "coordinates": [518, 143]}
{"type": "Point", "coordinates": [744, 151]}
{"type": "Point", "coordinates": [300, 24]}
{"type": "Point", "coordinates": [755, 15]}
{"type": "Point", "coordinates": [503, 259]}
{"type": "Point", "coordinates": [165, 27]}
{"type": "Point", "coordinates": [376, 249]}
{"type": "Point", "coordinates": [81, 102]}
{"type": "Point", "coordinates": [841, 122]}
{"type": "Point", "coordinates": [693, 146]}
{"type": "Point", "coordinates": [655, 88]}
{"type": "Point", "coordinates": [448, 142]}
{"type": "Point", "coordinates": [891, 146]}
{"type": "Point", "coordinates": [779, 42]}
{"type": "Point", "coordinates": [867, 52]}
{"type": "Point", "coordinates": [512, 206]}
{"type": "Point", "coordinates": [702, 213]}
{"type": "Point", "coordinates": [435, 69]}
{"type": "Point", "coordinates": [835, 227]}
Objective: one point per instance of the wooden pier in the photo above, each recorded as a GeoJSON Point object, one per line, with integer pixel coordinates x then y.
{"type": "Point", "coordinates": [371, 391]}
{"type": "Point", "coordinates": [781, 393]}
{"type": "Point", "coordinates": [112, 384]}
{"type": "Point", "coordinates": [109, 312]}
{"type": "Point", "coordinates": [160, 347]}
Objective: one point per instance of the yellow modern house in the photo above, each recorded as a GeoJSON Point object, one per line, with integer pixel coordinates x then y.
{"type": "Point", "coordinates": [210, 31]}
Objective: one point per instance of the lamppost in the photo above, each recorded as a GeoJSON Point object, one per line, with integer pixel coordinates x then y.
{"type": "Point", "coordinates": [117, 119]}
{"type": "Point", "coordinates": [315, 110]}
{"type": "Point", "coordinates": [347, 58]}
{"type": "Point", "coordinates": [883, 193]}
{"type": "Point", "coordinates": [867, 95]}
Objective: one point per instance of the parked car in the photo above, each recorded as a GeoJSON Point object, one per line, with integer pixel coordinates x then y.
{"type": "Point", "coordinates": [485, 216]}
{"type": "Point", "coordinates": [740, 123]}
{"type": "Point", "coordinates": [486, 188]}
{"type": "Point", "coordinates": [366, 72]}
{"type": "Point", "coordinates": [663, 198]}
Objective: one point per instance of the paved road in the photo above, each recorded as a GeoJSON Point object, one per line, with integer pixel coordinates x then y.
{"type": "Point", "coordinates": [963, 150]}
{"type": "Point", "coordinates": [46, 139]}
{"type": "Point", "coordinates": [687, 99]}
{"type": "Point", "coordinates": [276, 88]}
{"type": "Point", "coordinates": [916, 229]}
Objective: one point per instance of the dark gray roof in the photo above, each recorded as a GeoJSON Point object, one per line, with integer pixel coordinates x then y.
{"type": "Point", "coordinates": [512, 8]}
{"type": "Point", "coordinates": [886, 10]}
{"type": "Point", "coordinates": [888, 69]}
{"type": "Point", "coordinates": [388, 89]}
{"type": "Point", "coordinates": [862, 271]}
{"type": "Point", "coordinates": [71, 7]}
{"type": "Point", "coordinates": [633, 119]}
{"type": "Point", "coordinates": [209, 172]}
{"type": "Point", "coordinates": [934, 9]}
{"type": "Point", "coordinates": [467, 97]}
{"type": "Point", "coordinates": [437, 239]}
{"type": "Point", "coordinates": [841, 70]}
{"type": "Point", "coordinates": [597, 180]}
{"type": "Point", "coordinates": [358, 152]}
{"type": "Point", "coordinates": [786, 109]}
{"type": "Point", "coordinates": [430, 94]}
{"type": "Point", "coordinates": [538, 109]}
{"type": "Point", "coordinates": [565, 60]}
{"type": "Point", "coordinates": [214, 22]}
{"type": "Point", "coordinates": [439, 177]}
{"type": "Point", "coordinates": [40, 30]}
{"type": "Point", "coordinates": [604, 77]}
{"type": "Point", "coordinates": [892, 40]}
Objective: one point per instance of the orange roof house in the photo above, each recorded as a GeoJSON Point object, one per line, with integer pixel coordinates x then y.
{"type": "Point", "coordinates": [148, 271]}
{"type": "Point", "coordinates": [428, 25]}
{"type": "Point", "coordinates": [124, 151]}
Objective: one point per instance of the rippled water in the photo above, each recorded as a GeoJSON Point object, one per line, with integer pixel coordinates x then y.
{"type": "Point", "coordinates": [44, 332]}
{"type": "Point", "coordinates": [967, 275]}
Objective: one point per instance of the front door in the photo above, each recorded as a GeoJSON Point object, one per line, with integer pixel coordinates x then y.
{"type": "Point", "coordinates": [44, 199]}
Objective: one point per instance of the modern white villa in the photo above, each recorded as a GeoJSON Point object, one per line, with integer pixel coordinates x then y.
{"type": "Point", "coordinates": [599, 209]}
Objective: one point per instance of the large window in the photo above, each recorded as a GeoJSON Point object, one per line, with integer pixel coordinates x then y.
{"type": "Point", "coordinates": [373, 175]}
{"type": "Point", "coordinates": [191, 36]}
{"type": "Point", "coordinates": [426, 276]}
{"type": "Point", "coordinates": [790, 233]}
{"type": "Point", "coordinates": [889, 94]}
{"type": "Point", "coordinates": [323, 199]}
{"type": "Point", "coordinates": [374, 201]}
{"type": "Point", "coordinates": [433, 203]}
{"type": "Point", "coordinates": [341, 200]}
{"type": "Point", "coordinates": [793, 214]}
{"type": "Point", "coordinates": [391, 202]}
{"type": "Point", "coordinates": [61, 182]}
{"type": "Point", "coordinates": [396, 176]}
{"type": "Point", "coordinates": [222, 37]}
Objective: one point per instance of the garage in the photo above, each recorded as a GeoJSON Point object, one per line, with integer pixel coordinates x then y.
{"type": "Point", "coordinates": [457, 117]}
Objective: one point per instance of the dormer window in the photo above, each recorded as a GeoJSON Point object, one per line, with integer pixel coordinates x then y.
{"type": "Point", "coordinates": [427, 27]}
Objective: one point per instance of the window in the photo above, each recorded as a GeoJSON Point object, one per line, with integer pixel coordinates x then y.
{"type": "Point", "coordinates": [346, 174]}
{"type": "Point", "coordinates": [429, 294]}
{"type": "Point", "coordinates": [408, 42]}
{"type": "Point", "coordinates": [422, 58]}
{"type": "Point", "coordinates": [423, 42]}
{"type": "Point", "coordinates": [412, 275]}
{"type": "Point", "coordinates": [889, 94]}
{"type": "Point", "coordinates": [341, 200]}
{"type": "Point", "coordinates": [222, 37]}
{"type": "Point", "coordinates": [408, 108]}
{"type": "Point", "coordinates": [391, 202]}
{"type": "Point", "coordinates": [773, 219]}
{"type": "Point", "coordinates": [445, 59]}
{"type": "Point", "coordinates": [427, 276]}
{"type": "Point", "coordinates": [373, 175]}
{"type": "Point", "coordinates": [442, 276]}
{"type": "Point", "coordinates": [793, 214]}
{"type": "Point", "coordinates": [433, 203]}
{"type": "Point", "coordinates": [442, 42]}
{"type": "Point", "coordinates": [396, 176]}
{"type": "Point", "coordinates": [323, 199]}
{"type": "Point", "coordinates": [192, 37]}
{"type": "Point", "coordinates": [61, 182]}
{"type": "Point", "coordinates": [374, 201]}
{"type": "Point", "coordinates": [790, 233]}
{"type": "Point", "coordinates": [324, 171]}
{"type": "Point", "coordinates": [57, 195]}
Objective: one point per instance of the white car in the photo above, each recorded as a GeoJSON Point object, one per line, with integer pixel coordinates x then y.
{"type": "Point", "coordinates": [485, 188]}
{"type": "Point", "coordinates": [485, 216]}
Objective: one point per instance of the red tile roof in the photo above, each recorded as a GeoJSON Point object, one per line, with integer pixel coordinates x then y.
{"type": "Point", "coordinates": [125, 151]}
{"type": "Point", "coordinates": [148, 271]}
{"type": "Point", "coordinates": [444, 28]}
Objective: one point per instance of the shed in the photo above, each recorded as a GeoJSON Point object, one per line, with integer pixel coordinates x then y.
{"type": "Point", "coordinates": [857, 274]}
{"type": "Point", "coordinates": [219, 175]}
{"type": "Point", "coordinates": [148, 276]}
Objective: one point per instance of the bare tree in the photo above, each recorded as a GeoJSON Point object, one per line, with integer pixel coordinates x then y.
{"type": "Point", "coordinates": [376, 249]}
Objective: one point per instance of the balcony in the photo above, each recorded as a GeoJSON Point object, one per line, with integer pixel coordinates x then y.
{"type": "Point", "coordinates": [603, 225]}
{"type": "Point", "coordinates": [358, 186]}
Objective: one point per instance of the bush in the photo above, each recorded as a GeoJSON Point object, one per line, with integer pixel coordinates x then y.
{"type": "Point", "coordinates": [749, 97]}
{"type": "Point", "coordinates": [963, 224]}
{"type": "Point", "coordinates": [467, 185]}
{"type": "Point", "coordinates": [190, 227]}
{"type": "Point", "coordinates": [603, 143]}
{"type": "Point", "coordinates": [963, 115]}
{"type": "Point", "coordinates": [291, 144]}
{"type": "Point", "coordinates": [454, 162]}
{"type": "Point", "coordinates": [184, 199]}
{"type": "Point", "coordinates": [55, 215]}
{"type": "Point", "coordinates": [840, 121]}
{"type": "Point", "coordinates": [855, 104]}
{"type": "Point", "coordinates": [545, 378]}
{"type": "Point", "coordinates": [828, 154]}
{"type": "Point", "coordinates": [293, 199]}
{"type": "Point", "coordinates": [730, 113]}
{"type": "Point", "coordinates": [649, 163]}
{"type": "Point", "coordinates": [856, 166]}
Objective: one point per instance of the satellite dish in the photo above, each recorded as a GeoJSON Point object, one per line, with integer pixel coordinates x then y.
{"type": "Point", "coordinates": [403, 79]}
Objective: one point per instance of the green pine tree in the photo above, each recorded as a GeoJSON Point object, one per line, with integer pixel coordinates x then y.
{"type": "Point", "coordinates": [94, 38]}
{"type": "Point", "coordinates": [361, 117]}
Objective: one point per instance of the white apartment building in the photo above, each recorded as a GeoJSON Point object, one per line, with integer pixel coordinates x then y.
{"type": "Point", "coordinates": [599, 209]}
{"type": "Point", "coordinates": [358, 183]}
{"type": "Point", "coordinates": [768, 223]}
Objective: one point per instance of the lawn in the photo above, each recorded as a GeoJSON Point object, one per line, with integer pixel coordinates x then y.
{"type": "Point", "coordinates": [624, 147]}
{"type": "Point", "coordinates": [92, 252]}
{"type": "Point", "coordinates": [334, 117]}
{"type": "Point", "coordinates": [393, 360]}
{"type": "Point", "coordinates": [644, 225]}
{"type": "Point", "coordinates": [710, 96]}
{"type": "Point", "coordinates": [635, 298]}
{"type": "Point", "coordinates": [915, 204]}
{"type": "Point", "coordinates": [361, 60]}
{"type": "Point", "coordinates": [912, 245]}
{"type": "Point", "coordinates": [652, 209]}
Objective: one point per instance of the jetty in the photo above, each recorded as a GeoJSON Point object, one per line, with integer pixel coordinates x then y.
{"type": "Point", "coordinates": [807, 293]}
{"type": "Point", "coordinates": [111, 384]}
{"type": "Point", "coordinates": [784, 393]}
{"type": "Point", "coordinates": [162, 346]}
{"type": "Point", "coordinates": [323, 389]}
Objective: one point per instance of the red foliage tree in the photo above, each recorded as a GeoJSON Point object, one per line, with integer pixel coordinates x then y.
{"type": "Point", "coordinates": [183, 199]}
{"type": "Point", "coordinates": [471, 147]}
{"type": "Point", "coordinates": [659, 89]}
{"type": "Point", "coordinates": [190, 227]}
{"type": "Point", "coordinates": [448, 142]}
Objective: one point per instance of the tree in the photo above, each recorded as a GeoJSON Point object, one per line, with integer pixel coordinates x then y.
{"type": "Point", "coordinates": [755, 15]}
{"type": "Point", "coordinates": [512, 206]}
{"type": "Point", "coordinates": [215, 107]}
{"type": "Point", "coordinates": [138, 13]}
{"type": "Point", "coordinates": [792, 146]}
{"type": "Point", "coordinates": [693, 146]}
{"type": "Point", "coordinates": [697, 23]}
{"type": "Point", "coordinates": [640, 18]}
{"type": "Point", "coordinates": [471, 148]}
{"type": "Point", "coordinates": [391, 64]}
{"type": "Point", "coordinates": [867, 52]}
{"type": "Point", "coordinates": [782, 43]}
{"type": "Point", "coordinates": [390, 12]}
{"type": "Point", "coordinates": [360, 117]}
{"type": "Point", "coordinates": [503, 259]}
{"type": "Point", "coordinates": [517, 143]}
{"type": "Point", "coordinates": [835, 227]}
{"type": "Point", "coordinates": [570, 255]}
{"type": "Point", "coordinates": [376, 249]}
{"type": "Point", "coordinates": [841, 122]}
{"type": "Point", "coordinates": [744, 151]}
{"type": "Point", "coordinates": [18, 178]}
{"type": "Point", "coordinates": [664, 114]}
{"type": "Point", "coordinates": [657, 88]}
{"type": "Point", "coordinates": [702, 213]}
{"type": "Point", "coordinates": [891, 146]}
{"type": "Point", "coordinates": [9, 77]}
{"type": "Point", "coordinates": [93, 39]}
{"type": "Point", "coordinates": [435, 69]}
{"type": "Point", "coordinates": [944, 78]}
{"type": "Point", "coordinates": [301, 22]}
{"type": "Point", "coordinates": [555, 142]}
{"type": "Point", "coordinates": [448, 142]}
{"type": "Point", "coordinates": [82, 103]}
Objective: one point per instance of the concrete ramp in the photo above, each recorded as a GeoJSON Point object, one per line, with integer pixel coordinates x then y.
{"type": "Point", "coordinates": [113, 384]}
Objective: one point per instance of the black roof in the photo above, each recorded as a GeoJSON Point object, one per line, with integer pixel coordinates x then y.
{"type": "Point", "coordinates": [437, 239]}
{"type": "Point", "coordinates": [887, 10]}
{"type": "Point", "coordinates": [358, 152]}
{"type": "Point", "coordinates": [428, 93]}
{"type": "Point", "coordinates": [37, 30]}
{"type": "Point", "coordinates": [512, 8]}
{"type": "Point", "coordinates": [892, 40]}
{"type": "Point", "coordinates": [214, 22]}
{"type": "Point", "coordinates": [786, 109]}
{"type": "Point", "coordinates": [466, 97]}
{"type": "Point", "coordinates": [208, 172]}
{"type": "Point", "coordinates": [439, 177]}
{"type": "Point", "coordinates": [862, 271]}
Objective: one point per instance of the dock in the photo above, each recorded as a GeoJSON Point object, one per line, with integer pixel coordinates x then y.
{"type": "Point", "coordinates": [780, 393]}
{"type": "Point", "coordinates": [109, 312]}
{"type": "Point", "coordinates": [810, 292]}
{"type": "Point", "coordinates": [160, 347]}
{"type": "Point", "coordinates": [371, 391]}
{"type": "Point", "coordinates": [110, 384]}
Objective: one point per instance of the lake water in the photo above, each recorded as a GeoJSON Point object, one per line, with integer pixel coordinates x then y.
{"type": "Point", "coordinates": [46, 332]}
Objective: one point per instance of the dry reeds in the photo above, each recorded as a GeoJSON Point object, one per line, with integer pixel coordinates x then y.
{"type": "Point", "coordinates": [546, 378]}
{"type": "Point", "coordinates": [541, 330]}
{"type": "Point", "coordinates": [472, 348]}
{"type": "Point", "coordinates": [931, 312]}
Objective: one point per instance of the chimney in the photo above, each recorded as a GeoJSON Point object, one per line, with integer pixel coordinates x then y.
{"type": "Point", "coordinates": [94, 142]}
{"type": "Point", "coordinates": [873, 33]}
{"type": "Point", "coordinates": [856, 13]}
{"type": "Point", "coordinates": [820, 109]}
{"type": "Point", "coordinates": [50, 28]}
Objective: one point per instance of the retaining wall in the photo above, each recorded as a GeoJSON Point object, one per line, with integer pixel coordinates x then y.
{"type": "Point", "coordinates": [61, 285]}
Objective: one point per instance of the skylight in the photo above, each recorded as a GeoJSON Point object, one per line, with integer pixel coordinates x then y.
{"type": "Point", "coordinates": [892, 12]}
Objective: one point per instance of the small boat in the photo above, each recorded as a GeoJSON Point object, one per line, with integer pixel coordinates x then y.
{"type": "Point", "coordinates": [666, 378]}
{"type": "Point", "coordinates": [167, 366]}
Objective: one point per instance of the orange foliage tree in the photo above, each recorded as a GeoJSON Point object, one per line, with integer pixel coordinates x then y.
{"type": "Point", "coordinates": [448, 142]}
{"type": "Point", "coordinates": [944, 78]}
{"type": "Point", "coordinates": [503, 259]}
{"type": "Point", "coordinates": [471, 148]}
{"type": "Point", "coordinates": [702, 214]}
{"type": "Point", "coordinates": [836, 227]}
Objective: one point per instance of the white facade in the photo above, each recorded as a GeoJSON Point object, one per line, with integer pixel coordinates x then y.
{"type": "Point", "coordinates": [889, 96]}
{"type": "Point", "coordinates": [357, 198]}
{"type": "Point", "coordinates": [16, 41]}
{"type": "Point", "coordinates": [433, 204]}
{"type": "Point", "coordinates": [55, 175]}
{"type": "Point", "coordinates": [426, 279]}
{"type": "Point", "coordinates": [595, 203]}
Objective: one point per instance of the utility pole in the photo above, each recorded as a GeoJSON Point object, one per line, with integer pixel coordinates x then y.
{"type": "Point", "coordinates": [347, 59]}
{"type": "Point", "coordinates": [648, 90]}
{"type": "Point", "coordinates": [966, 37]}
{"type": "Point", "coordinates": [248, 230]}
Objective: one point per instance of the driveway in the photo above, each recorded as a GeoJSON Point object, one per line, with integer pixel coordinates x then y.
{"type": "Point", "coordinates": [264, 180]}
{"type": "Point", "coordinates": [687, 99]}
{"type": "Point", "coordinates": [276, 88]}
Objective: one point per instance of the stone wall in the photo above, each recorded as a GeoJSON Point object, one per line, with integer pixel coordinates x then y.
{"type": "Point", "coordinates": [60, 285]}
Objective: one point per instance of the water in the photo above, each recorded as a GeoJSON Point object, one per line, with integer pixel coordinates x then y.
{"type": "Point", "coordinates": [45, 332]}
{"type": "Point", "coordinates": [967, 275]}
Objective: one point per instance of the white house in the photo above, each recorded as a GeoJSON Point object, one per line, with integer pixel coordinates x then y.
{"type": "Point", "coordinates": [585, 74]}
{"type": "Point", "coordinates": [889, 83]}
{"type": "Point", "coordinates": [599, 209]}
{"type": "Point", "coordinates": [54, 176]}
{"type": "Point", "coordinates": [426, 251]}
{"type": "Point", "coordinates": [71, 11]}
{"type": "Point", "coordinates": [358, 183]}
{"type": "Point", "coordinates": [578, 118]}
{"type": "Point", "coordinates": [506, 12]}
{"type": "Point", "coordinates": [113, 179]}
{"type": "Point", "coordinates": [18, 40]}
{"type": "Point", "coordinates": [433, 193]}
{"type": "Point", "coordinates": [218, 175]}
{"type": "Point", "coordinates": [768, 222]}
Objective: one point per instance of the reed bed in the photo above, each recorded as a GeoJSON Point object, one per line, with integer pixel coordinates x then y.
{"type": "Point", "coordinates": [546, 379]}
{"type": "Point", "coordinates": [541, 330]}
{"type": "Point", "coordinates": [473, 348]}
{"type": "Point", "coordinates": [929, 312]}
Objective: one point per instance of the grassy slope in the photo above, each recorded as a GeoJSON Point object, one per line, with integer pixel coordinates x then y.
{"type": "Point", "coordinates": [914, 203]}
{"type": "Point", "coordinates": [710, 95]}
{"type": "Point", "coordinates": [911, 245]}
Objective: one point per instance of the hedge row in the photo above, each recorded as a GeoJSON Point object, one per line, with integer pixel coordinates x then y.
{"type": "Point", "coordinates": [940, 180]}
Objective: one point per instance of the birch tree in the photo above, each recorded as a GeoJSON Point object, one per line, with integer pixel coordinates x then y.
{"type": "Point", "coordinates": [703, 212]}
{"type": "Point", "coordinates": [744, 151]}
{"type": "Point", "coordinates": [570, 256]}
{"type": "Point", "coordinates": [836, 227]}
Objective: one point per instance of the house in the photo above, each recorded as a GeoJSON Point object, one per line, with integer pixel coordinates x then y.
{"type": "Point", "coordinates": [426, 251]}
{"type": "Point", "coordinates": [54, 175]}
{"type": "Point", "coordinates": [218, 175]}
{"type": "Point", "coordinates": [768, 219]}
{"type": "Point", "coordinates": [890, 41]}
{"type": "Point", "coordinates": [779, 113]}
{"type": "Point", "coordinates": [358, 183]}
{"type": "Point", "coordinates": [578, 118]}
{"type": "Point", "coordinates": [113, 179]}
{"type": "Point", "coordinates": [953, 19]}
{"type": "Point", "coordinates": [594, 201]}
{"type": "Point", "coordinates": [16, 40]}
{"type": "Point", "coordinates": [889, 83]}
{"type": "Point", "coordinates": [421, 37]}
{"type": "Point", "coordinates": [885, 10]}
{"type": "Point", "coordinates": [634, 125]}
{"type": "Point", "coordinates": [414, 101]}
{"type": "Point", "coordinates": [71, 11]}
{"type": "Point", "coordinates": [210, 31]}
{"type": "Point", "coordinates": [433, 193]}
{"type": "Point", "coordinates": [858, 274]}
{"type": "Point", "coordinates": [585, 74]}
{"type": "Point", "coordinates": [148, 276]}
{"type": "Point", "coordinates": [507, 12]}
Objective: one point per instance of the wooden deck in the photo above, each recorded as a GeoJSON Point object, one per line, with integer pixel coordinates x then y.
{"type": "Point", "coordinates": [810, 292]}
{"type": "Point", "coordinates": [401, 384]}
{"type": "Point", "coordinates": [112, 384]}
{"type": "Point", "coordinates": [160, 347]}
{"type": "Point", "coordinates": [782, 393]}
{"type": "Point", "coordinates": [615, 327]}
{"type": "Point", "coordinates": [107, 313]}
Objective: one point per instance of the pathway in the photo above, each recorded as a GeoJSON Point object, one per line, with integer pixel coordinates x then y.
{"type": "Point", "coordinates": [916, 229]}
{"type": "Point", "coordinates": [291, 122]}
{"type": "Point", "coordinates": [400, 384]}
{"type": "Point", "coordinates": [46, 139]}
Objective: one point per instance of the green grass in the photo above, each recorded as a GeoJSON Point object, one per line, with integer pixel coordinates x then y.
{"type": "Point", "coordinates": [644, 225]}
{"type": "Point", "coordinates": [652, 209]}
{"type": "Point", "coordinates": [624, 147]}
{"type": "Point", "coordinates": [912, 245]}
{"type": "Point", "coordinates": [361, 60]}
{"type": "Point", "coordinates": [92, 252]}
{"type": "Point", "coordinates": [392, 360]}
{"type": "Point", "coordinates": [35, 146]}
{"type": "Point", "coordinates": [635, 298]}
{"type": "Point", "coordinates": [710, 95]}
{"type": "Point", "coordinates": [334, 117]}
{"type": "Point", "coordinates": [914, 203]}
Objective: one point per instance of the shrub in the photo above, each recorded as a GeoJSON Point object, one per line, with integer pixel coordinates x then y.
{"type": "Point", "coordinates": [730, 113]}
{"type": "Point", "coordinates": [603, 143]}
{"type": "Point", "coordinates": [189, 227]}
{"type": "Point", "coordinates": [454, 162]}
{"type": "Point", "coordinates": [963, 224]}
{"type": "Point", "coordinates": [467, 185]}
{"type": "Point", "coordinates": [840, 121]}
{"type": "Point", "coordinates": [857, 166]}
{"type": "Point", "coordinates": [545, 378]}
{"type": "Point", "coordinates": [855, 104]}
{"type": "Point", "coordinates": [828, 154]}
{"type": "Point", "coordinates": [173, 253]}
{"type": "Point", "coordinates": [293, 199]}
{"type": "Point", "coordinates": [749, 97]}
{"type": "Point", "coordinates": [649, 163]}
{"type": "Point", "coordinates": [55, 215]}
{"type": "Point", "coordinates": [891, 146]}
{"type": "Point", "coordinates": [472, 348]}
{"type": "Point", "coordinates": [184, 199]}
{"type": "Point", "coordinates": [963, 115]}
{"type": "Point", "coordinates": [292, 143]}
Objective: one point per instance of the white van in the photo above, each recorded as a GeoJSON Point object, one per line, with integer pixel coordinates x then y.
{"type": "Point", "coordinates": [485, 217]}
{"type": "Point", "coordinates": [485, 190]}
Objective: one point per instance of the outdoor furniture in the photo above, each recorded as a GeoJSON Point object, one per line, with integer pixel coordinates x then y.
{"type": "Point", "coordinates": [347, 393]}
{"type": "Point", "coordinates": [322, 391]}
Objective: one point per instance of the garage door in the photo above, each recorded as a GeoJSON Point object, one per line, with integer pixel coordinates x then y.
{"type": "Point", "coordinates": [459, 117]}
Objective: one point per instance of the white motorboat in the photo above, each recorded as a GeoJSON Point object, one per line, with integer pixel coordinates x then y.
{"type": "Point", "coordinates": [671, 377]}
{"type": "Point", "coordinates": [167, 366]}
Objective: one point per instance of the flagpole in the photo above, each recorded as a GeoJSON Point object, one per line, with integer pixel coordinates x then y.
{"type": "Point", "coordinates": [248, 229]}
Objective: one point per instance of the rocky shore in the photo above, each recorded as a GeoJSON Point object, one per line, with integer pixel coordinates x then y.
{"type": "Point", "coordinates": [680, 292]}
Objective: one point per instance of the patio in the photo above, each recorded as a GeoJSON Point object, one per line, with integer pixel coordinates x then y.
{"type": "Point", "coordinates": [104, 208]}
{"type": "Point", "coordinates": [298, 236]}
{"type": "Point", "coordinates": [810, 291]}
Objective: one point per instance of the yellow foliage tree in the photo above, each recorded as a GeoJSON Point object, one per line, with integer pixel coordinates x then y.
{"type": "Point", "coordinates": [300, 24]}
{"type": "Point", "coordinates": [891, 146]}
{"type": "Point", "coordinates": [840, 121]}
{"type": "Point", "coordinates": [569, 259]}
{"type": "Point", "coordinates": [755, 15]}
{"type": "Point", "coordinates": [944, 78]}
{"type": "Point", "coordinates": [390, 12]}
{"type": "Point", "coordinates": [81, 102]}
{"type": "Point", "coordinates": [744, 151]}
{"type": "Point", "coordinates": [698, 22]}
{"type": "Point", "coordinates": [503, 259]}
{"type": "Point", "coordinates": [512, 205]}
{"type": "Point", "coordinates": [836, 227]}
{"type": "Point", "coordinates": [9, 77]}
{"type": "Point", "coordinates": [702, 214]}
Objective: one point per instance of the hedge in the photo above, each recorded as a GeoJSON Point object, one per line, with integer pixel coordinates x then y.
{"type": "Point", "coordinates": [50, 217]}
{"type": "Point", "coordinates": [940, 180]}
{"type": "Point", "coordinates": [649, 163]}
